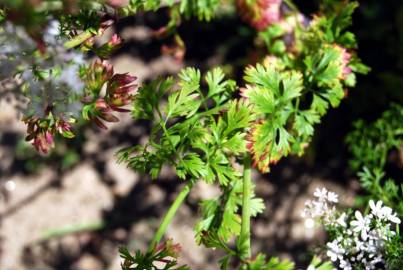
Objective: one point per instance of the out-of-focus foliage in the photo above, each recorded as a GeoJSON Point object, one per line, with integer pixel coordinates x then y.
{"type": "Point", "coordinates": [371, 145]}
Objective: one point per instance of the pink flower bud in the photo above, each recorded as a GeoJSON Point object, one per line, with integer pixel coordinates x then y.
{"type": "Point", "coordinates": [122, 79]}
{"type": "Point", "coordinates": [115, 40]}
{"type": "Point", "coordinates": [43, 142]}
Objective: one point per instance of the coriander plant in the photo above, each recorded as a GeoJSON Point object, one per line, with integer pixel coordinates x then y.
{"type": "Point", "coordinates": [207, 126]}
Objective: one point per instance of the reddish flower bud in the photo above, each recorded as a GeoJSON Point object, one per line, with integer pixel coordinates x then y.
{"type": "Point", "coordinates": [115, 40]}
{"type": "Point", "coordinates": [108, 117]}
{"type": "Point", "coordinates": [101, 105]}
{"type": "Point", "coordinates": [43, 142]}
{"type": "Point", "coordinates": [119, 92]}
{"type": "Point", "coordinates": [123, 79]}
{"type": "Point", "coordinates": [108, 48]}
{"type": "Point", "coordinates": [99, 123]}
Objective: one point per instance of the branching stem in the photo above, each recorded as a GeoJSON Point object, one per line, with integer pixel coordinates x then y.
{"type": "Point", "coordinates": [170, 215]}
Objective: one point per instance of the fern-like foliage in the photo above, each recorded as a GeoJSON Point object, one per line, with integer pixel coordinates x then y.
{"type": "Point", "coordinates": [197, 139]}
{"type": "Point", "coordinates": [290, 92]}
{"type": "Point", "coordinates": [370, 145]}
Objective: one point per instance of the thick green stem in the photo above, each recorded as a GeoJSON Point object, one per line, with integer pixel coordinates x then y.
{"type": "Point", "coordinates": [244, 238]}
{"type": "Point", "coordinates": [169, 216]}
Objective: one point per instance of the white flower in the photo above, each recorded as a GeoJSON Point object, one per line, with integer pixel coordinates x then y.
{"type": "Point", "coordinates": [332, 197]}
{"type": "Point", "coordinates": [345, 265]}
{"type": "Point", "coordinates": [342, 220]}
{"type": "Point", "coordinates": [383, 212]}
{"type": "Point", "coordinates": [393, 218]}
{"type": "Point", "coordinates": [361, 224]}
{"type": "Point", "coordinates": [376, 209]}
{"type": "Point", "coordinates": [320, 193]}
{"type": "Point", "coordinates": [311, 267]}
{"type": "Point", "coordinates": [334, 250]}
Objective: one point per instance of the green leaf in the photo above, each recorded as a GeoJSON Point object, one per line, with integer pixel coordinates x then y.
{"type": "Point", "coordinates": [67, 134]}
{"type": "Point", "coordinates": [273, 264]}
{"type": "Point", "coordinates": [304, 121]}
{"type": "Point", "coordinates": [202, 9]}
{"type": "Point", "coordinates": [191, 164]}
{"type": "Point", "coordinates": [317, 264]}
{"type": "Point", "coordinates": [225, 262]}
{"type": "Point", "coordinates": [257, 206]}
{"type": "Point", "coordinates": [186, 100]}
{"type": "Point", "coordinates": [215, 82]}
{"type": "Point", "coordinates": [222, 168]}
{"type": "Point", "coordinates": [319, 104]}
{"type": "Point", "coordinates": [149, 96]}
{"type": "Point", "coordinates": [268, 143]}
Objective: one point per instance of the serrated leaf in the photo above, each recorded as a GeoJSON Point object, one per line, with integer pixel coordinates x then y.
{"type": "Point", "coordinates": [268, 143]}
{"type": "Point", "coordinates": [186, 100]}
{"type": "Point", "coordinates": [319, 104]}
{"type": "Point", "coordinates": [191, 164]}
{"type": "Point", "coordinates": [215, 82]}
{"type": "Point", "coordinates": [148, 97]}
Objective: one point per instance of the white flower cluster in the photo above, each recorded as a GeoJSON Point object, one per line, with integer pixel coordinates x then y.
{"type": "Point", "coordinates": [50, 78]}
{"type": "Point", "coordinates": [360, 243]}
{"type": "Point", "coordinates": [322, 208]}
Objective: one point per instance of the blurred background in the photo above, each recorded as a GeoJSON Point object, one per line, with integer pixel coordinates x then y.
{"type": "Point", "coordinates": [74, 208]}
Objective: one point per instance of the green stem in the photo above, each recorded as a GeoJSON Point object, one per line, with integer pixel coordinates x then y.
{"type": "Point", "coordinates": [169, 216]}
{"type": "Point", "coordinates": [77, 40]}
{"type": "Point", "coordinates": [244, 238]}
{"type": "Point", "coordinates": [76, 228]}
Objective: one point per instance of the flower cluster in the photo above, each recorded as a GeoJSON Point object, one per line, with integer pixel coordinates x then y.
{"type": "Point", "coordinates": [41, 131]}
{"type": "Point", "coordinates": [48, 75]}
{"type": "Point", "coordinates": [323, 208]}
{"type": "Point", "coordinates": [119, 90]}
{"type": "Point", "coordinates": [356, 242]}
{"type": "Point", "coordinates": [57, 82]}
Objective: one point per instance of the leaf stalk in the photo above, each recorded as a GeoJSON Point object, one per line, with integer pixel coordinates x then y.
{"type": "Point", "coordinates": [170, 215]}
